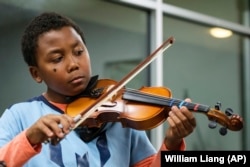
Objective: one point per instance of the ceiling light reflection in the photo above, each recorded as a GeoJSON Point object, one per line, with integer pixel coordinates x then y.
{"type": "Point", "coordinates": [220, 32]}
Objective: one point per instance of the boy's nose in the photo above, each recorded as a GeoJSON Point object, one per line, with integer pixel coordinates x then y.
{"type": "Point", "coordinates": [73, 64]}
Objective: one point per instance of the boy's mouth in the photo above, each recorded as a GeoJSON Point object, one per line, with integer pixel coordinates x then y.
{"type": "Point", "coordinates": [76, 80]}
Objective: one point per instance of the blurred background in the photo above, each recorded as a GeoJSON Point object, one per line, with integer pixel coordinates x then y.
{"type": "Point", "coordinates": [121, 33]}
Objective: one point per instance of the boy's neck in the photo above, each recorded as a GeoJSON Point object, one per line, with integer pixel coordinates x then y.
{"type": "Point", "coordinates": [56, 98]}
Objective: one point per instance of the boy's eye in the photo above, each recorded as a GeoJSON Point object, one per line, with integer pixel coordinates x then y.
{"type": "Point", "coordinates": [57, 59]}
{"type": "Point", "coordinates": [78, 52]}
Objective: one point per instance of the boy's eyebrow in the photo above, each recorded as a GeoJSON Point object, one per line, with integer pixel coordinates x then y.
{"type": "Point", "coordinates": [53, 51]}
{"type": "Point", "coordinates": [59, 50]}
{"type": "Point", "coordinates": [76, 43]}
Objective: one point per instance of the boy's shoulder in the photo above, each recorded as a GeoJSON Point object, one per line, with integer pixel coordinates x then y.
{"type": "Point", "coordinates": [27, 103]}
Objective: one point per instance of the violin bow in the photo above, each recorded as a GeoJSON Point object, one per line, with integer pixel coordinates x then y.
{"type": "Point", "coordinates": [80, 118]}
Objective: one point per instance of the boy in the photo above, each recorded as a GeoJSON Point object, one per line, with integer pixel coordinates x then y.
{"type": "Point", "coordinates": [54, 48]}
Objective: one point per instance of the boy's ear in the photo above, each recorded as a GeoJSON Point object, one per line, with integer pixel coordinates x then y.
{"type": "Point", "coordinates": [35, 74]}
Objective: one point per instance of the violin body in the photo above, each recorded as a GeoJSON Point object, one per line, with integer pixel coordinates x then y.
{"type": "Point", "coordinates": [136, 115]}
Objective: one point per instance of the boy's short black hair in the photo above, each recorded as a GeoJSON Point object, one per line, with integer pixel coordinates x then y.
{"type": "Point", "coordinates": [43, 23]}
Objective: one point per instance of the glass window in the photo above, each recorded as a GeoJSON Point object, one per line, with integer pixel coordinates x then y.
{"type": "Point", "coordinates": [224, 9]}
{"type": "Point", "coordinates": [114, 33]}
{"type": "Point", "coordinates": [207, 70]}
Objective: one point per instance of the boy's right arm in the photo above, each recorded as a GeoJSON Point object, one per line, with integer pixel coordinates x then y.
{"type": "Point", "coordinates": [11, 155]}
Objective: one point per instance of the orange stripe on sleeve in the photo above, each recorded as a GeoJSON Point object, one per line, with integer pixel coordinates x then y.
{"type": "Point", "coordinates": [11, 154]}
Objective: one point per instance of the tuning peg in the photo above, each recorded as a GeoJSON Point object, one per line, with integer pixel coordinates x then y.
{"type": "Point", "coordinates": [212, 124]}
{"type": "Point", "coordinates": [229, 112]}
{"type": "Point", "coordinates": [223, 131]}
{"type": "Point", "coordinates": [217, 105]}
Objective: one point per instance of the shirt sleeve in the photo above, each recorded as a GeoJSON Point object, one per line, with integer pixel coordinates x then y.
{"type": "Point", "coordinates": [11, 155]}
{"type": "Point", "coordinates": [155, 160]}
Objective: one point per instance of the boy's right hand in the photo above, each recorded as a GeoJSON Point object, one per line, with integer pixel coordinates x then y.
{"type": "Point", "coordinates": [48, 127]}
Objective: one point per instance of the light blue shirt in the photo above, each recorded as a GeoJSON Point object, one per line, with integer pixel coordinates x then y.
{"type": "Point", "coordinates": [119, 146]}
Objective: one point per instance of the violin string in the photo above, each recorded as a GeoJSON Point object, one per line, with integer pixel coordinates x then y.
{"type": "Point", "coordinates": [156, 99]}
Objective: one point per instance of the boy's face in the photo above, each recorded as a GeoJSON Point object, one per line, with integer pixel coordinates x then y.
{"type": "Point", "coordinates": [63, 63]}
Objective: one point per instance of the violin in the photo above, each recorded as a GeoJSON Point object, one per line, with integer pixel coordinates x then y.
{"type": "Point", "coordinates": [145, 109]}
{"type": "Point", "coordinates": [142, 109]}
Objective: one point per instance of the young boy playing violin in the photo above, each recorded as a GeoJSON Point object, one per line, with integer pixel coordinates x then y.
{"type": "Point", "coordinates": [55, 51]}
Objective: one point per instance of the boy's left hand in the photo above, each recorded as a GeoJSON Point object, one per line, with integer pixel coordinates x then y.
{"type": "Point", "coordinates": [181, 123]}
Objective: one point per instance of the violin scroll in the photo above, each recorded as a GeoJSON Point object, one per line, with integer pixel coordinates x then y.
{"type": "Point", "coordinates": [228, 120]}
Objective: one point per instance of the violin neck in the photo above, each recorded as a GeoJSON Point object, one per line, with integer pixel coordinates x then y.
{"type": "Point", "coordinates": [136, 95]}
